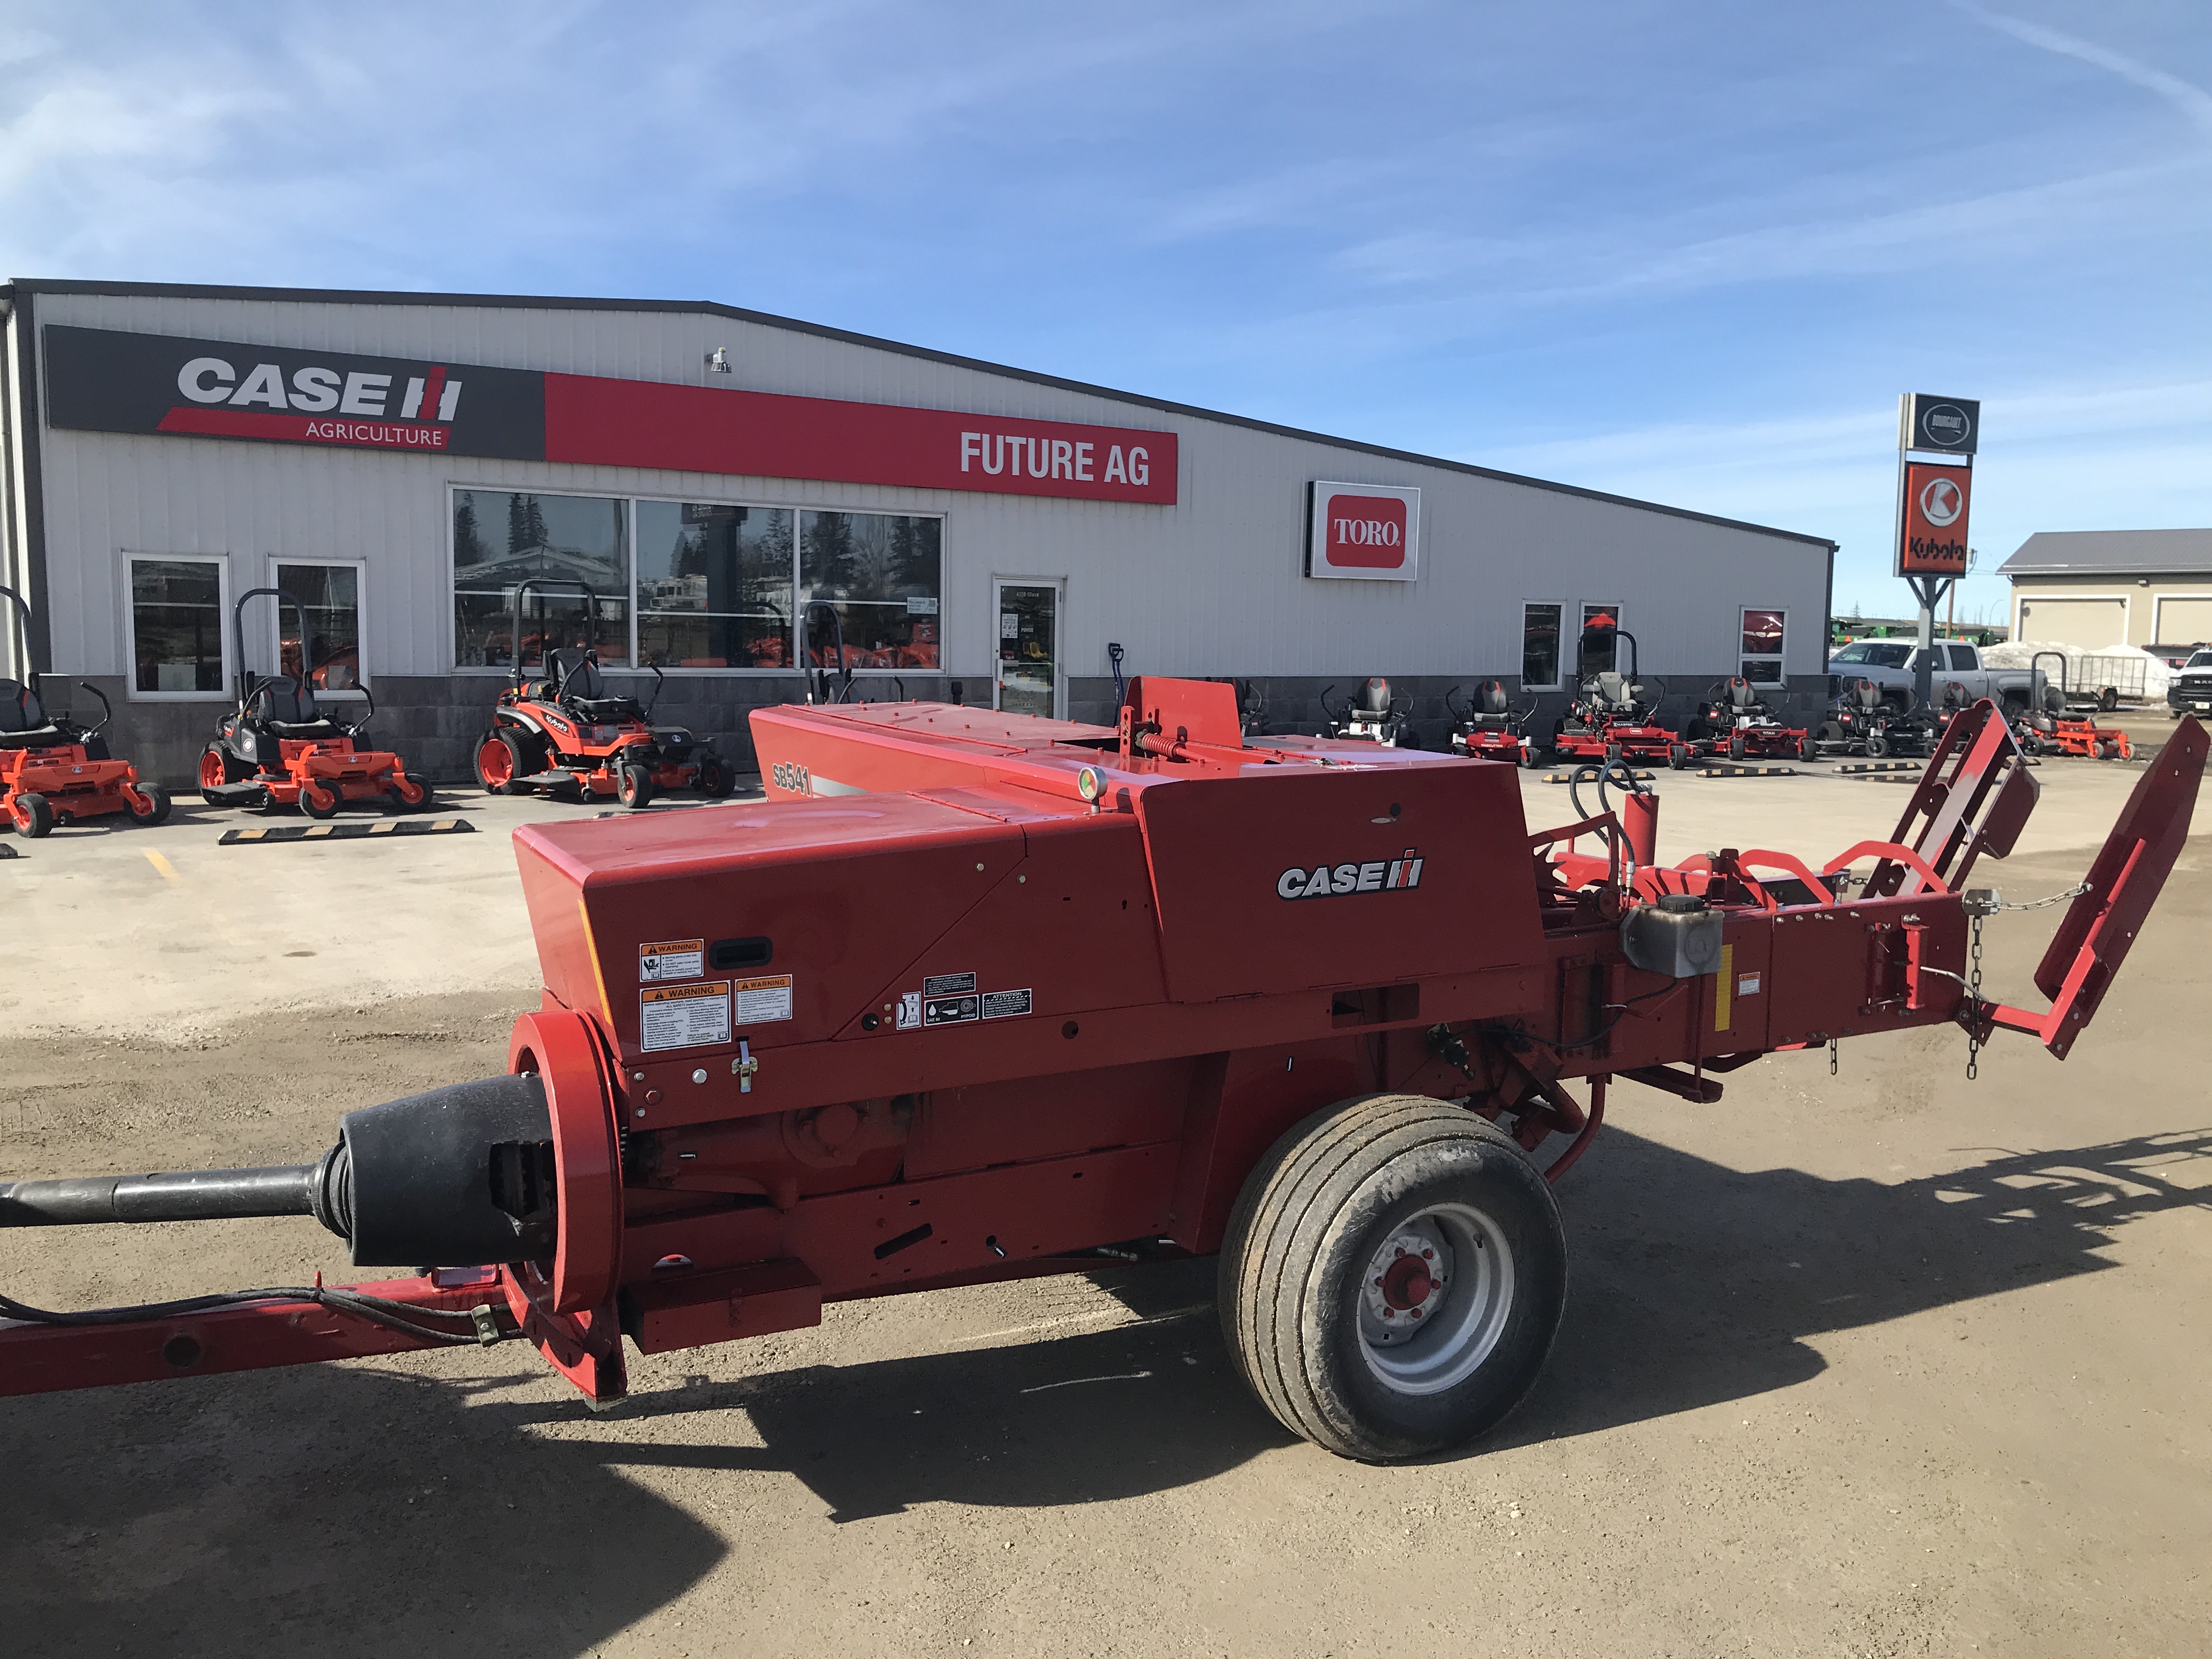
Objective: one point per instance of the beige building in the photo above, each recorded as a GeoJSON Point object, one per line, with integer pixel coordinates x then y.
{"type": "Point", "coordinates": [2102, 587]}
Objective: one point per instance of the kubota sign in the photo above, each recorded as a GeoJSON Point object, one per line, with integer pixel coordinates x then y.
{"type": "Point", "coordinates": [1370, 531]}
{"type": "Point", "coordinates": [104, 380]}
{"type": "Point", "coordinates": [1932, 537]}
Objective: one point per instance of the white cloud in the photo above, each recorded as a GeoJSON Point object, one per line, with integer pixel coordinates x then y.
{"type": "Point", "coordinates": [2193, 101]}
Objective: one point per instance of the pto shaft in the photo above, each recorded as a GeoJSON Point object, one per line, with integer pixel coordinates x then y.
{"type": "Point", "coordinates": [193, 1195]}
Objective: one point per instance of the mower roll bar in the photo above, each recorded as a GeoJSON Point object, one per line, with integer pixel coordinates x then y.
{"type": "Point", "coordinates": [247, 678]}
{"type": "Point", "coordinates": [537, 584]}
{"type": "Point", "coordinates": [817, 677]}
{"type": "Point", "coordinates": [31, 677]}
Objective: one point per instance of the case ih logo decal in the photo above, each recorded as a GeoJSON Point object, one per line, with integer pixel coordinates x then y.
{"type": "Point", "coordinates": [100, 381]}
{"type": "Point", "coordinates": [1370, 531]}
{"type": "Point", "coordinates": [1376, 876]}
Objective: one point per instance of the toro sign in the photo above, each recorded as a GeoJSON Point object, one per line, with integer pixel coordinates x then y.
{"type": "Point", "coordinates": [1932, 529]}
{"type": "Point", "coordinates": [1368, 532]}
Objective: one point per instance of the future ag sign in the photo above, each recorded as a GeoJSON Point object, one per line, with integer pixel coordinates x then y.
{"type": "Point", "coordinates": [106, 380]}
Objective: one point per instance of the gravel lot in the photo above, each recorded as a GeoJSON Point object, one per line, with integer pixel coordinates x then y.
{"type": "Point", "coordinates": [1885, 1363]}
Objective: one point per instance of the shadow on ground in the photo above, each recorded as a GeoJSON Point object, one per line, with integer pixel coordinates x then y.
{"type": "Point", "coordinates": [353, 1511]}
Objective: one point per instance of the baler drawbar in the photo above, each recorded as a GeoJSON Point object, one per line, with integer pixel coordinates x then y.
{"type": "Point", "coordinates": [976, 996]}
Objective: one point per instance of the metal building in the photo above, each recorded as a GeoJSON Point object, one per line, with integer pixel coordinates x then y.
{"type": "Point", "coordinates": [398, 463]}
{"type": "Point", "coordinates": [2096, 588]}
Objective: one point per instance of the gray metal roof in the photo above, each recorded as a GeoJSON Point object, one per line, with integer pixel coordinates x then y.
{"type": "Point", "coordinates": [714, 308]}
{"type": "Point", "coordinates": [2112, 552]}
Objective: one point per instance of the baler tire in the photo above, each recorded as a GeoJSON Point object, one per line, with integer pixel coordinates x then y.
{"type": "Point", "coordinates": [34, 815]}
{"type": "Point", "coordinates": [1313, 1214]}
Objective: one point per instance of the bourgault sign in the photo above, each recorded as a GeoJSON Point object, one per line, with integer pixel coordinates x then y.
{"type": "Point", "coordinates": [101, 381]}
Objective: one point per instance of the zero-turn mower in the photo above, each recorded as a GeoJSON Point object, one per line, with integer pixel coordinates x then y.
{"type": "Point", "coordinates": [564, 733]}
{"type": "Point", "coordinates": [280, 748]}
{"type": "Point", "coordinates": [1616, 717]}
{"type": "Point", "coordinates": [1491, 728]}
{"type": "Point", "coordinates": [2067, 724]}
{"type": "Point", "coordinates": [1371, 715]}
{"type": "Point", "coordinates": [1863, 722]}
{"type": "Point", "coordinates": [55, 771]}
{"type": "Point", "coordinates": [1734, 716]}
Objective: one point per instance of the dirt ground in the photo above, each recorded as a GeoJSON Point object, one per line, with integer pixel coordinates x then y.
{"type": "Point", "coordinates": [1885, 1363]}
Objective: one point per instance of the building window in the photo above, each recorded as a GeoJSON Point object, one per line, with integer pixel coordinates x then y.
{"type": "Point", "coordinates": [713, 585]}
{"type": "Point", "coordinates": [1762, 647]}
{"type": "Point", "coordinates": [176, 628]}
{"type": "Point", "coordinates": [1539, 647]}
{"type": "Point", "coordinates": [329, 597]}
{"type": "Point", "coordinates": [503, 538]}
{"type": "Point", "coordinates": [1598, 649]}
{"type": "Point", "coordinates": [881, 572]}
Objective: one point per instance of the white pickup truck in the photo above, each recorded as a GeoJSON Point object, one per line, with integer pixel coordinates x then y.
{"type": "Point", "coordinates": [1894, 665]}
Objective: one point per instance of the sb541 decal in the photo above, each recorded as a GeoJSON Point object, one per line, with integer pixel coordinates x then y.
{"type": "Point", "coordinates": [1328, 880]}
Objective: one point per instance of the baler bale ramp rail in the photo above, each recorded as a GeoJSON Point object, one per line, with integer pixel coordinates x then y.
{"type": "Point", "coordinates": [976, 996]}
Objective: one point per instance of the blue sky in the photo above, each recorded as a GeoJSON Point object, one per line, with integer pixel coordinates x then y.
{"type": "Point", "coordinates": [1687, 250]}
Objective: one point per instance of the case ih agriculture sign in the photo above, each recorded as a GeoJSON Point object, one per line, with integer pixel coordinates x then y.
{"type": "Point", "coordinates": [1364, 532]}
{"type": "Point", "coordinates": [100, 381]}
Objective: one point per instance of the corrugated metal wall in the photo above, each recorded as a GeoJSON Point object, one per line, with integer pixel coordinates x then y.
{"type": "Point", "coordinates": [1211, 585]}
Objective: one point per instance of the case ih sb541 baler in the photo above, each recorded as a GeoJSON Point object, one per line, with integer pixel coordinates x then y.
{"type": "Point", "coordinates": [976, 996]}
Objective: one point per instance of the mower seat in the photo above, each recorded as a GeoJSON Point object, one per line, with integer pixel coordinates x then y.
{"type": "Point", "coordinates": [1613, 690]}
{"type": "Point", "coordinates": [1373, 699]}
{"type": "Point", "coordinates": [24, 723]}
{"type": "Point", "coordinates": [1866, 697]}
{"type": "Point", "coordinates": [1955, 697]}
{"type": "Point", "coordinates": [287, 707]}
{"type": "Point", "coordinates": [575, 674]}
{"type": "Point", "coordinates": [1743, 698]}
{"type": "Point", "coordinates": [1490, 712]}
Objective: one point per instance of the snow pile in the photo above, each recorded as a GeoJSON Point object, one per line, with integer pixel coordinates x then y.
{"type": "Point", "coordinates": [2156, 675]}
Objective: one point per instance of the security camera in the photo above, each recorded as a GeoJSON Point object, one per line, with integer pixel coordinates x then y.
{"type": "Point", "coordinates": [718, 359]}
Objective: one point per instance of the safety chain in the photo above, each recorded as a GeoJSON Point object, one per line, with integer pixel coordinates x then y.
{"type": "Point", "coordinates": [1974, 998]}
{"type": "Point", "coordinates": [1981, 901]}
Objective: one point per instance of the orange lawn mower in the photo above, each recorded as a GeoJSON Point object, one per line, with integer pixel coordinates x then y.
{"type": "Point", "coordinates": [54, 771]}
{"type": "Point", "coordinates": [279, 748]}
{"type": "Point", "coordinates": [2055, 729]}
{"type": "Point", "coordinates": [564, 735]}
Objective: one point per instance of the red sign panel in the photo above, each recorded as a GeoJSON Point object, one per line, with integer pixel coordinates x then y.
{"type": "Point", "coordinates": [1932, 531]}
{"type": "Point", "coordinates": [686, 428]}
{"type": "Point", "coordinates": [1366, 533]}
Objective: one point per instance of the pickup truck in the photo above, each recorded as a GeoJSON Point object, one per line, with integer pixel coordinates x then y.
{"type": "Point", "coordinates": [1894, 665]}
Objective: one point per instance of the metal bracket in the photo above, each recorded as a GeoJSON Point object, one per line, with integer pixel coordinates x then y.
{"type": "Point", "coordinates": [744, 1068]}
{"type": "Point", "coordinates": [487, 1331]}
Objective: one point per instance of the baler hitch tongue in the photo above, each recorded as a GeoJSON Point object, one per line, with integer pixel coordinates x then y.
{"type": "Point", "coordinates": [2124, 882]}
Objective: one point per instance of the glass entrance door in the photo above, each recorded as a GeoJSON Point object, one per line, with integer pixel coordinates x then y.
{"type": "Point", "coordinates": [1028, 673]}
